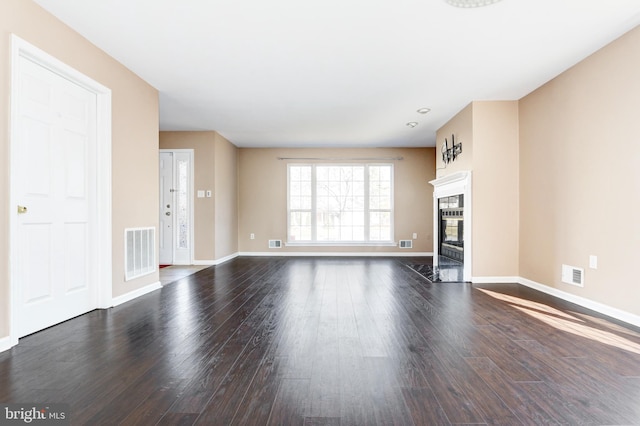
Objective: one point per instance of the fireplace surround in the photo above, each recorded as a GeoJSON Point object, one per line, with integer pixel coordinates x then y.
{"type": "Point", "coordinates": [453, 186]}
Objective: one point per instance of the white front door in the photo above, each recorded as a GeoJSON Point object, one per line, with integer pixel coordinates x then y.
{"type": "Point", "coordinates": [166, 208]}
{"type": "Point", "coordinates": [55, 189]}
{"type": "Point", "coordinates": [176, 207]}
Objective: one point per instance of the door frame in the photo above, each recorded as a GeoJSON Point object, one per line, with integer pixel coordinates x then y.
{"type": "Point", "coordinates": [191, 193]}
{"type": "Point", "coordinates": [101, 246]}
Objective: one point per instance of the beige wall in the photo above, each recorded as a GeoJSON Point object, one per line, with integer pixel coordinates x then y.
{"type": "Point", "coordinates": [495, 189]}
{"type": "Point", "coordinates": [263, 196]}
{"type": "Point", "coordinates": [226, 198]}
{"type": "Point", "coordinates": [461, 126]}
{"type": "Point", "coordinates": [134, 133]}
{"type": "Point", "coordinates": [579, 184]}
{"type": "Point", "coordinates": [488, 131]}
{"type": "Point", "coordinates": [203, 145]}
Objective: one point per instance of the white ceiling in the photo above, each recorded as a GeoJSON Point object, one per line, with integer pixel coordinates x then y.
{"type": "Point", "coordinates": [352, 73]}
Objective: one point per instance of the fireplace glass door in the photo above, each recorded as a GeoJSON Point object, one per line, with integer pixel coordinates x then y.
{"type": "Point", "coordinates": [451, 240]}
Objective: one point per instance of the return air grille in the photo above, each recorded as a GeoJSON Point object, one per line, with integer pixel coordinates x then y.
{"type": "Point", "coordinates": [275, 244]}
{"type": "Point", "coordinates": [139, 252]}
{"type": "Point", "coordinates": [572, 275]}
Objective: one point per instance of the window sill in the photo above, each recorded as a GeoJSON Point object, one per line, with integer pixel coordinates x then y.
{"type": "Point", "coordinates": [341, 244]}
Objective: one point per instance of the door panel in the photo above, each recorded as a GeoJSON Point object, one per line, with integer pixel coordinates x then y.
{"type": "Point", "coordinates": [36, 244]}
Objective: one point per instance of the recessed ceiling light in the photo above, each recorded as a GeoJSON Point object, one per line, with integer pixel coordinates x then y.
{"type": "Point", "coordinates": [412, 124]}
{"type": "Point", "coordinates": [424, 110]}
{"type": "Point", "coordinates": [471, 3]}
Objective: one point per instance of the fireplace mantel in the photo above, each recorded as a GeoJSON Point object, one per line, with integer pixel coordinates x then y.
{"type": "Point", "coordinates": [454, 184]}
{"type": "Point", "coordinates": [453, 181]}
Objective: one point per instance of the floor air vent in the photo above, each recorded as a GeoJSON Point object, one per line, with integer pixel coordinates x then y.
{"type": "Point", "coordinates": [572, 275]}
{"type": "Point", "coordinates": [406, 244]}
{"type": "Point", "coordinates": [275, 243]}
{"type": "Point", "coordinates": [139, 252]}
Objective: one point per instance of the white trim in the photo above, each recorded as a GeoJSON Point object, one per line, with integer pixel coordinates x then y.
{"type": "Point", "coordinates": [103, 218]}
{"type": "Point", "coordinates": [455, 184]}
{"type": "Point", "coordinates": [336, 254]}
{"type": "Point", "coordinates": [6, 344]}
{"type": "Point", "coordinates": [136, 293]}
{"type": "Point", "coordinates": [586, 303]}
{"type": "Point", "coordinates": [342, 244]}
{"type": "Point", "coordinates": [217, 261]}
{"type": "Point", "coordinates": [496, 280]}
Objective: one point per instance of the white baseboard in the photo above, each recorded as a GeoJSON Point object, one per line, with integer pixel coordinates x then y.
{"type": "Point", "coordinates": [586, 303]}
{"type": "Point", "coordinates": [136, 293]}
{"type": "Point", "coordinates": [5, 344]}
{"type": "Point", "coordinates": [498, 280]}
{"type": "Point", "coordinates": [217, 261]}
{"type": "Point", "coordinates": [336, 254]}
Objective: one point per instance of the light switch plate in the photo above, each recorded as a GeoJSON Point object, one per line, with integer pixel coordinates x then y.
{"type": "Point", "coordinates": [593, 262]}
{"type": "Point", "coordinates": [200, 193]}
{"type": "Point", "coordinates": [208, 194]}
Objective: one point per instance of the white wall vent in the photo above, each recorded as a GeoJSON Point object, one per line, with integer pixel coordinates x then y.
{"type": "Point", "coordinates": [275, 244]}
{"type": "Point", "coordinates": [139, 252]}
{"type": "Point", "coordinates": [406, 244]}
{"type": "Point", "coordinates": [572, 275]}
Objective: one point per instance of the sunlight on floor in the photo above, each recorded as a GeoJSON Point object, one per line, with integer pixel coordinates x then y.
{"type": "Point", "coordinates": [565, 322]}
{"type": "Point", "coordinates": [173, 273]}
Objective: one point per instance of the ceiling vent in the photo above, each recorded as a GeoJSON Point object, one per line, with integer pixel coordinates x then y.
{"type": "Point", "coordinates": [273, 244]}
{"type": "Point", "coordinates": [406, 244]}
{"type": "Point", "coordinates": [572, 275]}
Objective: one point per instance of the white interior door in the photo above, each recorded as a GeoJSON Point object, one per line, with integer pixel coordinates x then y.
{"type": "Point", "coordinates": [55, 187]}
{"type": "Point", "coordinates": [166, 208]}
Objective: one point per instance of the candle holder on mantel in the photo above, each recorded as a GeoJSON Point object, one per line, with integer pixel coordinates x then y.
{"type": "Point", "coordinates": [450, 154]}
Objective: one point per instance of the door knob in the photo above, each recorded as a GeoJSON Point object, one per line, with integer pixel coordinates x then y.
{"type": "Point", "coordinates": [22, 209]}
{"type": "Point", "coordinates": [168, 213]}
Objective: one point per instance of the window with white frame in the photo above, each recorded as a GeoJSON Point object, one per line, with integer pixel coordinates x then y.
{"type": "Point", "coordinates": [340, 203]}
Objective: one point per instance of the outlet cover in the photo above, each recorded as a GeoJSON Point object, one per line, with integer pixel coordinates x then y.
{"type": "Point", "coordinates": [593, 262]}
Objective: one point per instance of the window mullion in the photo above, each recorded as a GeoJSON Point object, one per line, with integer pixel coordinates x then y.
{"type": "Point", "coordinates": [366, 203]}
{"type": "Point", "coordinates": [314, 205]}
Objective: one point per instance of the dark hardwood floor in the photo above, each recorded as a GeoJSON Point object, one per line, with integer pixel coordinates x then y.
{"type": "Point", "coordinates": [332, 341]}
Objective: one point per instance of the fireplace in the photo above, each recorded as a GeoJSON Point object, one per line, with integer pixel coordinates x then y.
{"type": "Point", "coordinates": [451, 227]}
{"type": "Point", "coordinates": [452, 223]}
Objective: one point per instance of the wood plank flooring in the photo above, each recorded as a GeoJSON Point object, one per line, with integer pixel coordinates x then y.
{"type": "Point", "coordinates": [332, 341]}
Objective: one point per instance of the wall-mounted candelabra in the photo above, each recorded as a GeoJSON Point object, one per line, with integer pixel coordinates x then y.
{"type": "Point", "coordinates": [450, 154]}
